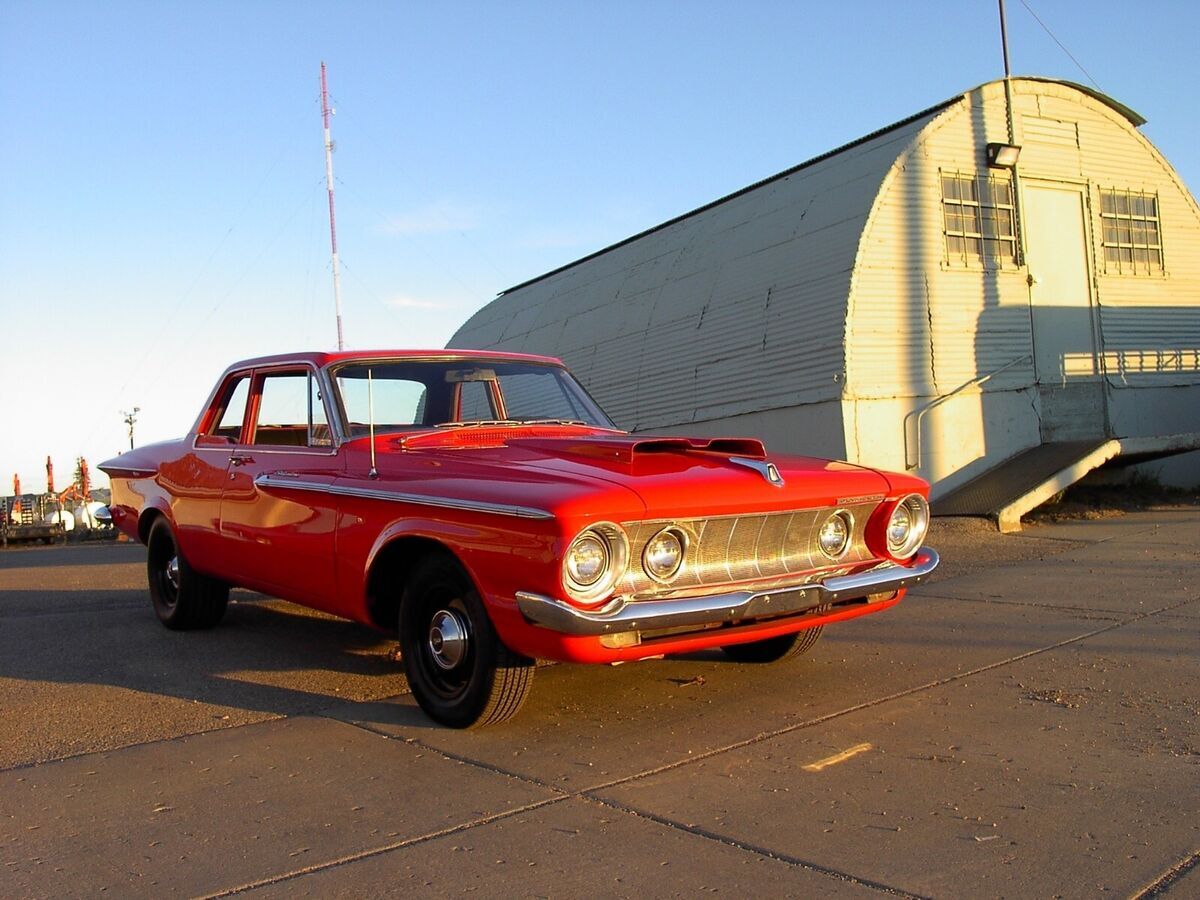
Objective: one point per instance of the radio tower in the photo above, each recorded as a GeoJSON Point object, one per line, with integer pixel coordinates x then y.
{"type": "Point", "coordinates": [337, 281]}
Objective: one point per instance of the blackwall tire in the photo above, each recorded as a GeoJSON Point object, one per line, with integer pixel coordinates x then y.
{"type": "Point", "coordinates": [184, 600]}
{"type": "Point", "coordinates": [776, 649]}
{"type": "Point", "coordinates": [459, 670]}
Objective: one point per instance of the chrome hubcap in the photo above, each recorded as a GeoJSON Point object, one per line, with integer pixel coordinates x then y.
{"type": "Point", "coordinates": [173, 572]}
{"type": "Point", "coordinates": [447, 638]}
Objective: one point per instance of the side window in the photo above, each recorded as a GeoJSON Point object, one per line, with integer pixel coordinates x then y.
{"type": "Point", "coordinates": [290, 412]}
{"type": "Point", "coordinates": [229, 425]}
{"type": "Point", "coordinates": [318, 432]}
{"type": "Point", "coordinates": [979, 219]}
{"type": "Point", "coordinates": [1132, 232]}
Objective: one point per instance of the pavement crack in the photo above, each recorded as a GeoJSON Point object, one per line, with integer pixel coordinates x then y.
{"type": "Point", "coordinates": [744, 846]}
{"type": "Point", "coordinates": [1091, 611]}
{"type": "Point", "coordinates": [1161, 886]}
{"type": "Point", "coordinates": [377, 851]}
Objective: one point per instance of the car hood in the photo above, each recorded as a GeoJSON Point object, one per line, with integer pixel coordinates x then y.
{"type": "Point", "coordinates": [614, 474]}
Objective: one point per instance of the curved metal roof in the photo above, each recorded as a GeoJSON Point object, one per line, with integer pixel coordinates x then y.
{"type": "Point", "coordinates": [1134, 119]}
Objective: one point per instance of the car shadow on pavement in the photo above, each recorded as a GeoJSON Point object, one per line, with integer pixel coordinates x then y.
{"type": "Point", "coordinates": [268, 657]}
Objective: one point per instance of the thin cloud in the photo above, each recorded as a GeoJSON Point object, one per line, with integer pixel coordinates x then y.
{"type": "Point", "coordinates": [403, 301]}
{"type": "Point", "coordinates": [434, 218]}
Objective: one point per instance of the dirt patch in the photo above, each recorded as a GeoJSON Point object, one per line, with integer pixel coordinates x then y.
{"type": "Point", "coordinates": [1107, 501]}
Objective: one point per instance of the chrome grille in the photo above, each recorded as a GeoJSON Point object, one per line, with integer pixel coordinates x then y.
{"type": "Point", "coordinates": [727, 549]}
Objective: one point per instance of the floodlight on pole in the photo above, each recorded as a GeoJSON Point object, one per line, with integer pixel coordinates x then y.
{"type": "Point", "coordinates": [130, 418]}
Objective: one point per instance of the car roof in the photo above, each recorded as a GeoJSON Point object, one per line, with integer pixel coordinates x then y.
{"type": "Point", "coordinates": [321, 358]}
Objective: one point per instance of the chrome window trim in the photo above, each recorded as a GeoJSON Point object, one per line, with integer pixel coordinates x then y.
{"type": "Point", "coordinates": [341, 490]}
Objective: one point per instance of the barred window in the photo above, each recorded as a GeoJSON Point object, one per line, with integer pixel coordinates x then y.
{"type": "Point", "coordinates": [1132, 238]}
{"type": "Point", "coordinates": [979, 218]}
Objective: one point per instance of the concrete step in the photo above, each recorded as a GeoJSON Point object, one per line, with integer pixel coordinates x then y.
{"type": "Point", "coordinates": [1025, 481]}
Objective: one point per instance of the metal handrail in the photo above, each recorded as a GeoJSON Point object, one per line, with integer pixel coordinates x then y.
{"type": "Point", "coordinates": [920, 411]}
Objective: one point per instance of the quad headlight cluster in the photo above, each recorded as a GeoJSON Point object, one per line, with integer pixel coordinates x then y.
{"type": "Point", "coordinates": [907, 526]}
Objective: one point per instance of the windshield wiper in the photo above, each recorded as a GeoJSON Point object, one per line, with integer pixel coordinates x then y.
{"type": "Point", "coordinates": [511, 422]}
{"type": "Point", "coordinates": [478, 423]}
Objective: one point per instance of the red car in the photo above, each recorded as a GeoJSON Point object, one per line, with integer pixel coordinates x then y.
{"type": "Point", "coordinates": [485, 507]}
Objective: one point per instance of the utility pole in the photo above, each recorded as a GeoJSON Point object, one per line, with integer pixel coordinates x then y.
{"type": "Point", "coordinates": [337, 281]}
{"type": "Point", "coordinates": [1018, 223]}
{"type": "Point", "coordinates": [1007, 74]}
{"type": "Point", "coordinates": [130, 418]}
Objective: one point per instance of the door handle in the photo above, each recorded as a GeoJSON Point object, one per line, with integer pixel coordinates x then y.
{"type": "Point", "coordinates": [240, 459]}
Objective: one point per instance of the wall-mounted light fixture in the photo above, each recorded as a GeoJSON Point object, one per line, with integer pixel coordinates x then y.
{"type": "Point", "coordinates": [1003, 156]}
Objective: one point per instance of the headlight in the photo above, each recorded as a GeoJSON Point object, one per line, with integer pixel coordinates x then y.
{"type": "Point", "coordinates": [907, 527]}
{"type": "Point", "coordinates": [587, 560]}
{"type": "Point", "coordinates": [663, 555]}
{"type": "Point", "coordinates": [594, 561]}
{"type": "Point", "coordinates": [834, 536]}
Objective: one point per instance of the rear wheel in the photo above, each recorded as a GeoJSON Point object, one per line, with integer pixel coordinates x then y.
{"type": "Point", "coordinates": [776, 649]}
{"type": "Point", "coordinates": [183, 598]}
{"type": "Point", "coordinates": [459, 670]}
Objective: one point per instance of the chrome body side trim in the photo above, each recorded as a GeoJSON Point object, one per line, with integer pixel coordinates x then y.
{"type": "Point", "coordinates": [623, 615]}
{"type": "Point", "coordinates": [290, 483]}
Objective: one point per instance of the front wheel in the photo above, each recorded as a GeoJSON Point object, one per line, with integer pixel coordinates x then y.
{"type": "Point", "coordinates": [183, 598]}
{"type": "Point", "coordinates": [775, 649]}
{"type": "Point", "coordinates": [459, 670]}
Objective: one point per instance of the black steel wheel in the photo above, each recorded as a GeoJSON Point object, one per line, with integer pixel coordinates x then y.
{"type": "Point", "coordinates": [775, 649]}
{"type": "Point", "coordinates": [183, 598]}
{"type": "Point", "coordinates": [458, 668]}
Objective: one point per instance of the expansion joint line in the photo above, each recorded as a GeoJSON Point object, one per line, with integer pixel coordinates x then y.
{"type": "Point", "coordinates": [795, 861]}
{"type": "Point", "coordinates": [378, 851]}
{"type": "Point", "coordinates": [1161, 886]}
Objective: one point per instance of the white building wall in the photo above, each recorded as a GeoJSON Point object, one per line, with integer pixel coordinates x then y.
{"type": "Point", "coordinates": [920, 326]}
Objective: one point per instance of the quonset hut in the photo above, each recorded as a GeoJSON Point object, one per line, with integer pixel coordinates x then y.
{"type": "Point", "coordinates": [912, 300]}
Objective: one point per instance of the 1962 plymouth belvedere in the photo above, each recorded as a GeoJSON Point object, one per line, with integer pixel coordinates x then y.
{"type": "Point", "coordinates": [485, 507]}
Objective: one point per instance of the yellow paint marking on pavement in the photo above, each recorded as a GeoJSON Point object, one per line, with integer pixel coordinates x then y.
{"type": "Point", "coordinates": [836, 758]}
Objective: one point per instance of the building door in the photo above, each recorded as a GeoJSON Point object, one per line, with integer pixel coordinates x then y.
{"type": "Point", "coordinates": [1070, 386]}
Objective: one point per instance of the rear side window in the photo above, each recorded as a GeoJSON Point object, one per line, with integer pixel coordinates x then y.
{"type": "Point", "coordinates": [229, 425]}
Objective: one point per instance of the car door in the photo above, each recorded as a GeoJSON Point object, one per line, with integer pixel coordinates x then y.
{"type": "Point", "coordinates": [277, 538]}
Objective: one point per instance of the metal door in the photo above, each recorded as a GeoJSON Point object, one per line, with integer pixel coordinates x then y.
{"type": "Point", "coordinates": [1062, 312]}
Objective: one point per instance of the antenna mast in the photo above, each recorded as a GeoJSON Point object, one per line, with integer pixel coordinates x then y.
{"type": "Point", "coordinates": [337, 281]}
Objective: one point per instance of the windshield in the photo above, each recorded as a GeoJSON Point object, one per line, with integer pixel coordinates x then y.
{"type": "Point", "coordinates": [413, 394]}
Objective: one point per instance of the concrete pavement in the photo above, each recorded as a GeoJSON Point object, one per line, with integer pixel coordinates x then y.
{"type": "Point", "coordinates": [1025, 724]}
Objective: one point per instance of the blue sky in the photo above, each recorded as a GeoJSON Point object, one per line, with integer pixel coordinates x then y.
{"type": "Point", "coordinates": [163, 207]}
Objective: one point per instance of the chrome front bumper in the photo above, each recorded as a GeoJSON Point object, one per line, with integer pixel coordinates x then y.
{"type": "Point", "coordinates": [649, 615]}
